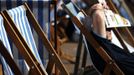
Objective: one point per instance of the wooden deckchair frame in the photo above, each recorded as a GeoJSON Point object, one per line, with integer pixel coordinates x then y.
{"type": "Point", "coordinates": [4, 52]}
{"type": "Point", "coordinates": [110, 63]}
{"type": "Point", "coordinates": [23, 47]}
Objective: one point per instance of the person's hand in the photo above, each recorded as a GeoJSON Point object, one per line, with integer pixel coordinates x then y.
{"type": "Point", "coordinates": [95, 7]}
{"type": "Point", "coordinates": [105, 6]}
{"type": "Point", "coordinates": [109, 35]}
{"type": "Point", "coordinates": [98, 6]}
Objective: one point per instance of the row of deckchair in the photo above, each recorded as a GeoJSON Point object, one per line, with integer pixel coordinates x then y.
{"type": "Point", "coordinates": [16, 24]}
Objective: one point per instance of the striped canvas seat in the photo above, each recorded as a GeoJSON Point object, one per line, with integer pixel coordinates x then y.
{"type": "Point", "coordinates": [4, 39]}
{"type": "Point", "coordinates": [19, 17]}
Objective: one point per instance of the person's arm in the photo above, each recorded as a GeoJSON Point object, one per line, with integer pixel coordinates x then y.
{"type": "Point", "coordinates": [98, 19]}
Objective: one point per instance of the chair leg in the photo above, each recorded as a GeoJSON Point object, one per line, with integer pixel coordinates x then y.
{"type": "Point", "coordinates": [77, 62]}
{"type": "Point", "coordinates": [84, 58]}
{"type": "Point", "coordinates": [107, 69]}
{"type": "Point", "coordinates": [1, 70]}
{"type": "Point", "coordinates": [50, 66]}
{"type": "Point", "coordinates": [32, 72]}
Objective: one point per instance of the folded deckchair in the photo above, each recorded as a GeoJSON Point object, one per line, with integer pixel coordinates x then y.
{"type": "Point", "coordinates": [6, 53]}
{"type": "Point", "coordinates": [110, 64]}
{"type": "Point", "coordinates": [21, 27]}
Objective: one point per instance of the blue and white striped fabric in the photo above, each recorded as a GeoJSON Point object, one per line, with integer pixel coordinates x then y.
{"type": "Point", "coordinates": [4, 39]}
{"type": "Point", "coordinates": [19, 17]}
{"type": "Point", "coordinates": [41, 12]}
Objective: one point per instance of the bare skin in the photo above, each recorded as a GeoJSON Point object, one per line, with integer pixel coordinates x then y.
{"type": "Point", "coordinates": [98, 19]}
{"type": "Point", "coordinates": [99, 23]}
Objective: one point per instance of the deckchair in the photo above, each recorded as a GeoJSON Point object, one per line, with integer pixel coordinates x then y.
{"type": "Point", "coordinates": [40, 9]}
{"type": "Point", "coordinates": [110, 63]}
{"type": "Point", "coordinates": [29, 17]}
{"type": "Point", "coordinates": [7, 57]}
{"type": "Point", "coordinates": [15, 38]}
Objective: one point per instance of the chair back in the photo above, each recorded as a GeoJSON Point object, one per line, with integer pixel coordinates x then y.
{"type": "Point", "coordinates": [19, 17]}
